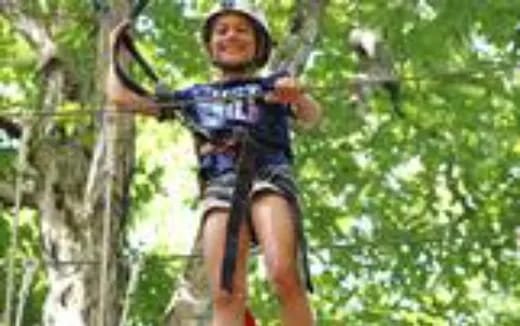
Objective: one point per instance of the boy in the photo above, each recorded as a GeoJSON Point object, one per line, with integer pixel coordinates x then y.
{"type": "Point", "coordinates": [238, 42]}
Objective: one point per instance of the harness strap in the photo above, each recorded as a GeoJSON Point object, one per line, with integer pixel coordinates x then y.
{"type": "Point", "coordinates": [239, 207]}
{"type": "Point", "coordinates": [138, 7]}
{"type": "Point", "coordinates": [302, 240]}
{"type": "Point", "coordinates": [228, 146]}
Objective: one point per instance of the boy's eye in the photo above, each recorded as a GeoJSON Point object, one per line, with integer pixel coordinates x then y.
{"type": "Point", "coordinates": [221, 30]}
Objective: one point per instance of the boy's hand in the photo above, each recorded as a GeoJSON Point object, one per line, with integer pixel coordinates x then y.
{"type": "Point", "coordinates": [287, 90]}
{"type": "Point", "coordinates": [116, 93]}
{"type": "Point", "coordinates": [125, 99]}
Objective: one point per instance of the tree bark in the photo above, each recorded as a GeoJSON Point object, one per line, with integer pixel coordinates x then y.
{"type": "Point", "coordinates": [294, 50]}
{"type": "Point", "coordinates": [71, 216]}
{"type": "Point", "coordinates": [189, 304]}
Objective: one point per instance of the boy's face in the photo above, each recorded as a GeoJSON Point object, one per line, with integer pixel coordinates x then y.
{"type": "Point", "coordinates": [232, 40]}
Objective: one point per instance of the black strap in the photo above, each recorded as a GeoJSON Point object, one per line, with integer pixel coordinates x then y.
{"type": "Point", "coordinates": [100, 6]}
{"type": "Point", "coordinates": [124, 41]}
{"type": "Point", "coordinates": [239, 207]}
{"type": "Point", "coordinates": [137, 7]}
{"type": "Point", "coordinates": [300, 236]}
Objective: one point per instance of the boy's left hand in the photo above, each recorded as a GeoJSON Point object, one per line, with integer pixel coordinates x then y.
{"type": "Point", "coordinates": [287, 90]}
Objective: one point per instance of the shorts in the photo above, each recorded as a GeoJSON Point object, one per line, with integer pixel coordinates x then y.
{"type": "Point", "coordinates": [278, 179]}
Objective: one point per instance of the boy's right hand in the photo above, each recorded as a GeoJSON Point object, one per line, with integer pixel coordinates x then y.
{"type": "Point", "coordinates": [115, 92]}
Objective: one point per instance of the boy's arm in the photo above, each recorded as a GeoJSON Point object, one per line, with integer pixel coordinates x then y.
{"type": "Point", "coordinates": [307, 111]}
{"type": "Point", "coordinates": [126, 100]}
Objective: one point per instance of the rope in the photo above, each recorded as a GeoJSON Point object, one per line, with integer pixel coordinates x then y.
{"type": "Point", "coordinates": [357, 13]}
{"type": "Point", "coordinates": [517, 241]}
{"type": "Point", "coordinates": [22, 154]}
{"type": "Point", "coordinates": [132, 286]}
{"type": "Point", "coordinates": [391, 239]}
{"type": "Point", "coordinates": [54, 262]}
{"type": "Point", "coordinates": [106, 229]}
{"type": "Point", "coordinates": [30, 267]}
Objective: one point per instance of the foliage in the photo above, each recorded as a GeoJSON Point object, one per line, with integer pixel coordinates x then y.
{"type": "Point", "coordinates": [411, 221]}
{"type": "Point", "coordinates": [156, 280]}
{"type": "Point", "coordinates": [28, 247]}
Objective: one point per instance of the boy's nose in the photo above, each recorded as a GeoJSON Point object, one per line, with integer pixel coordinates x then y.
{"type": "Point", "coordinates": [232, 34]}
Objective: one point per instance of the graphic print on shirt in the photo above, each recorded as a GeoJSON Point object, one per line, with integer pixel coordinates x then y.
{"type": "Point", "coordinates": [238, 107]}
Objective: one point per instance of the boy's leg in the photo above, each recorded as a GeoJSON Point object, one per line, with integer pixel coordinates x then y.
{"type": "Point", "coordinates": [228, 308]}
{"type": "Point", "coordinates": [274, 225]}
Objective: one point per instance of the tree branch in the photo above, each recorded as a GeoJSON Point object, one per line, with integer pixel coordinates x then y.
{"type": "Point", "coordinates": [31, 29]}
{"type": "Point", "coordinates": [294, 50]}
{"type": "Point", "coordinates": [7, 193]}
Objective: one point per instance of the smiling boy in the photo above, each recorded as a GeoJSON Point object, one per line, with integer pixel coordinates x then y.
{"type": "Point", "coordinates": [238, 42]}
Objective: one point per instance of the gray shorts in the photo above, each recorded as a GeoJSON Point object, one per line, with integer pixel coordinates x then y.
{"type": "Point", "coordinates": [273, 178]}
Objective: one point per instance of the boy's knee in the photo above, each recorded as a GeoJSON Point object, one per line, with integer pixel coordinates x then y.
{"type": "Point", "coordinates": [285, 281]}
{"type": "Point", "coordinates": [223, 299]}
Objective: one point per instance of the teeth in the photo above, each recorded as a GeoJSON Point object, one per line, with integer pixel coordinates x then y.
{"type": "Point", "coordinates": [232, 51]}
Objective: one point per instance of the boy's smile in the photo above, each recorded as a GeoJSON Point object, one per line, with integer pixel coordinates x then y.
{"type": "Point", "coordinates": [233, 41]}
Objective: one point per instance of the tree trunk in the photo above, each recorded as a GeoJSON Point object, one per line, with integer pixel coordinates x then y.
{"type": "Point", "coordinates": [190, 304]}
{"type": "Point", "coordinates": [80, 192]}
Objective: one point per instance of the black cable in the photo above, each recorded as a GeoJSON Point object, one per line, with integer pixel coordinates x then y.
{"type": "Point", "coordinates": [100, 6]}
{"type": "Point", "coordinates": [13, 130]}
{"type": "Point", "coordinates": [137, 8]}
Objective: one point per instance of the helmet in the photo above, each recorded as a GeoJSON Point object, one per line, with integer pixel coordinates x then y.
{"type": "Point", "coordinates": [255, 15]}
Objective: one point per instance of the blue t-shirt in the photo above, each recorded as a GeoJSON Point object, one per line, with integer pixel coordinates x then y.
{"type": "Point", "coordinates": [269, 121]}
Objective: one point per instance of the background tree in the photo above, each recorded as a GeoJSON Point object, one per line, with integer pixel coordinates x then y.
{"type": "Point", "coordinates": [62, 171]}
